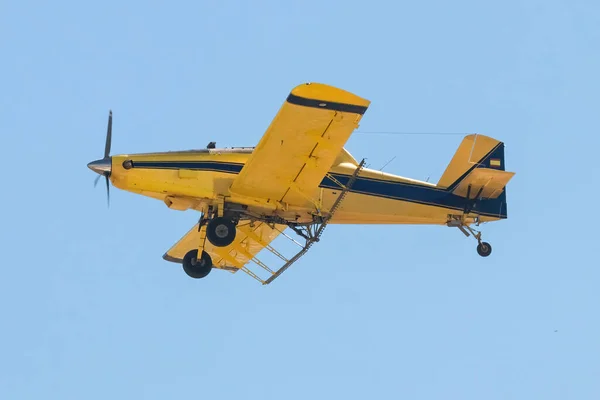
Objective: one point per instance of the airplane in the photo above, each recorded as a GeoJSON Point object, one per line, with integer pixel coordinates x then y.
{"type": "Point", "coordinates": [300, 178]}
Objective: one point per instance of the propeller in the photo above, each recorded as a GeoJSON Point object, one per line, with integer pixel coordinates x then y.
{"type": "Point", "coordinates": [103, 166]}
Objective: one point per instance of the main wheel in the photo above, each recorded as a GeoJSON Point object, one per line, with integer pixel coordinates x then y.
{"type": "Point", "coordinates": [197, 268]}
{"type": "Point", "coordinates": [220, 231]}
{"type": "Point", "coordinates": [484, 249]}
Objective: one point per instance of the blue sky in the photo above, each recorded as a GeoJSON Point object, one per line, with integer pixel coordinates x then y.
{"type": "Point", "coordinates": [88, 307]}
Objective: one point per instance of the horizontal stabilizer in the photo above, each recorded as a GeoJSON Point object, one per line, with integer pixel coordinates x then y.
{"type": "Point", "coordinates": [488, 183]}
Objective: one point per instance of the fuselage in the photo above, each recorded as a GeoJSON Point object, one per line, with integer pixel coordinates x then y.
{"type": "Point", "coordinates": [195, 179]}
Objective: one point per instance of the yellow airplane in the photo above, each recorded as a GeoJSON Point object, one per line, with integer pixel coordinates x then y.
{"type": "Point", "coordinates": [300, 177]}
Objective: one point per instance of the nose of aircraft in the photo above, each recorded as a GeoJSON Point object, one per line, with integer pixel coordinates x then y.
{"type": "Point", "coordinates": [101, 166]}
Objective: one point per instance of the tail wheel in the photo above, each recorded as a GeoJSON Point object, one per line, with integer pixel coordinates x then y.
{"type": "Point", "coordinates": [220, 231]}
{"type": "Point", "coordinates": [484, 249]}
{"type": "Point", "coordinates": [196, 267]}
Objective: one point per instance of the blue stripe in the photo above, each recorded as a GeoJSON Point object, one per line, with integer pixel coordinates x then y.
{"type": "Point", "coordinates": [404, 191]}
{"type": "Point", "coordinates": [415, 193]}
{"type": "Point", "coordinates": [231, 168]}
{"type": "Point", "coordinates": [327, 105]}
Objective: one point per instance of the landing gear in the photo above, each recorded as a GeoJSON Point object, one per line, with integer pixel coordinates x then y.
{"type": "Point", "coordinates": [484, 249]}
{"type": "Point", "coordinates": [220, 231]}
{"type": "Point", "coordinates": [197, 268]}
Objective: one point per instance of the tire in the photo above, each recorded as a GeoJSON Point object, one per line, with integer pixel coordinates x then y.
{"type": "Point", "coordinates": [201, 268]}
{"type": "Point", "coordinates": [220, 232]}
{"type": "Point", "coordinates": [484, 249]}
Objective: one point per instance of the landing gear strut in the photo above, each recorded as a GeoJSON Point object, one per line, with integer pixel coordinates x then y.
{"type": "Point", "coordinates": [220, 231]}
{"type": "Point", "coordinates": [484, 249]}
{"type": "Point", "coordinates": [196, 267]}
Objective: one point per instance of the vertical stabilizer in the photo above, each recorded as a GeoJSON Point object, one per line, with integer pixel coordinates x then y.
{"type": "Point", "coordinates": [475, 151]}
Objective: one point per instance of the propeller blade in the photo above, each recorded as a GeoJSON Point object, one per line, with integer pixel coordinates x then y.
{"type": "Point", "coordinates": [107, 191]}
{"type": "Point", "coordinates": [96, 180]}
{"type": "Point", "coordinates": [108, 135]}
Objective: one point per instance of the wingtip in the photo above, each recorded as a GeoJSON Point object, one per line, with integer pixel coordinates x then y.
{"type": "Point", "coordinates": [167, 257]}
{"type": "Point", "coordinates": [325, 92]}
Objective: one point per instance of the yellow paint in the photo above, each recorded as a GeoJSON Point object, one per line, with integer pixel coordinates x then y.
{"type": "Point", "coordinates": [281, 177]}
{"type": "Point", "coordinates": [299, 147]}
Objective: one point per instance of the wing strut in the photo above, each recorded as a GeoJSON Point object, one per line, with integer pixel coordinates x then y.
{"type": "Point", "coordinates": [312, 233]}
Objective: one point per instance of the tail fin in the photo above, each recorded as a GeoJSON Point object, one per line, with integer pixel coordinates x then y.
{"type": "Point", "coordinates": [477, 167]}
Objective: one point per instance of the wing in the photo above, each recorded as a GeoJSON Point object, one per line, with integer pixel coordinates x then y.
{"type": "Point", "coordinates": [301, 144]}
{"type": "Point", "coordinates": [249, 241]}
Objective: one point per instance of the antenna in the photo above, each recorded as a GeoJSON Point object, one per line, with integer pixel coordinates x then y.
{"type": "Point", "coordinates": [385, 165]}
